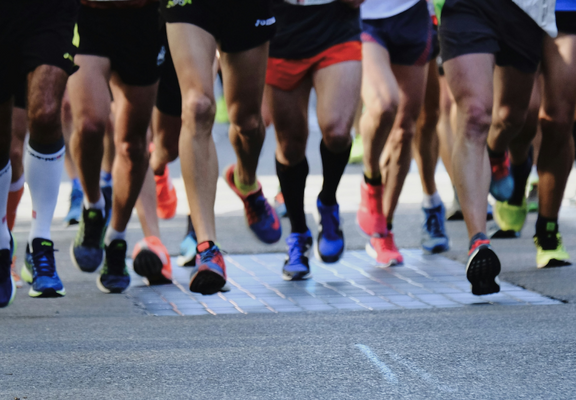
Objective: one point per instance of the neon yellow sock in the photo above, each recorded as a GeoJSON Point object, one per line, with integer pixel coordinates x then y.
{"type": "Point", "coordinates": [244, 189]}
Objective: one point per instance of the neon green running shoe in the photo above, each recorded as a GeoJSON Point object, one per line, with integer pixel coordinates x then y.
{"type": "Point", "coordinates": [550, 251]}
{"type": "Point", "coordinates": [357, 151]}
{"type": "Point", "coordinates": [510, 217]}
{"type": "Point", "coordinates": [221, 111]}
{"type": "Point", "coordinates": [532, 198]}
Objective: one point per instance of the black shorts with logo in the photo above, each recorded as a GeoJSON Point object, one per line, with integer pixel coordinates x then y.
{"type": "Point", "coordinates": [169, 98]}
{"type": "Point", "coordinates": [497, 27]}
{"type": "Point", "coordinates": [128, 37]}
{"type": "Point", "coordinates": [237, 25]}
{"type": "Point", "coordinates": [34, 33]}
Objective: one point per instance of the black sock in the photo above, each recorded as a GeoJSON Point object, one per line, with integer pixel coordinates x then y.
{"type": "Point", "coordinates": [478, 236]}
{"type": "Point", "coordinates": [293, 182]}
{"type": "Point", "coordinates": [546, 226]}
{"type": "Point", "coordinates": [520, 173]}
{"type": "Point", "coordinates": [374, 181]}
{"type": "Point", "coordinates": [333, 165]}
{"type": "Point", "coordinates": [495, 154]}
{"type": "Point", "coordinates": [389, 226]}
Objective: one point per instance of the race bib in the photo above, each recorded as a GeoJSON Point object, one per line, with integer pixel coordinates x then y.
{"type": "Point", "coordinates": [542, 12]}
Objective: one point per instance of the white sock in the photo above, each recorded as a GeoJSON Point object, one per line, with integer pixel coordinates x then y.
{"type": "Point", "coordinates": [113, 234]}
{"type": "Point", "coordinates": [5, 178]}
{"type": "Point", "coordinates": [16, 186]}
{"type": "Point", "coordinates": [99, 205]}
{"type": "Point", "coordinates": [43, 173]}
{"type": "Point", "coordinates": [431, 201]}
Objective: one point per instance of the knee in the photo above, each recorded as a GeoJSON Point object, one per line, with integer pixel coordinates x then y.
{"type": "Point", "coordinates": [199, 110]}
{"type": "Point", "coordinates": [506, 118]}
{"type": "Point", "coordinates": [291, 152]}
{"type": "Point", "coordinates": [336, 135]}
{"type": "Point", "coordinates": [44, 118]}
{"type": "Point", "coordinates": [92, 129]}
{"type": "Point", "coordinates": [382, 112]}
{"type": "Point", "coordinates": [477, 120]}
{"type": "Point", "coordinates": [134, 149]}
{"type": "Point", "coordinates": [248, 126]}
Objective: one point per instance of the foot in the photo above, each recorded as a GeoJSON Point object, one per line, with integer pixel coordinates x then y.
{"type": "Point", "coordinates": [384, 250]}
{"type": "Point", "coordinates": [114, 276]}
{"type": "Point", "coordinates": [87, 250]}
{"type": "Point", "coordinates": [166, 200]}
{"type": "Point", "coordinates": [7, 283]}
{"type": "Point", "coordinates": [483, 268]}
{"type": "Point", "coordinates": [187, 257]}
{"type": "Point", "coordinates": [370, 217]}
{"type": "Point", "coordinates": [454, 213]}
{"type": "Point", "coordinates": [152, 261]}
{"type": "Point", "coordinates": [75, 211]}
{"type": "Point", "coordinates": [280, 205]}
{"type": "Point", "coordinates": [357, 151]}
{"type": "Point", "coordinates": [45, 279]}
{"type": "Point", "coordinates": [510, 217]}
{"type": "Point", "coordinates": [330, 243]}
{"type": "Point", "coordinates": [550, 251]}
{"type": "Point", "coordinates": [209, 275]}
{"type": "Point", "coordinates": [434, 236]}
{"type": "Point", "coordinates": [261, 217]}
{"type": "Point", "coordinates": [296, 267]}
{"type": "Point", "coordinates": [502, 182]}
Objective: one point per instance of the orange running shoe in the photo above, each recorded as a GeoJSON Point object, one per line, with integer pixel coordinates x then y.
{"type": "Point", "coordinates": [370, 216]}
{"type": "Point", "coordinates": [151, 260]}
{"type": "Point", "coordinates": [166, 200]}
{"type": "Point", "coordinates": [384, 250]}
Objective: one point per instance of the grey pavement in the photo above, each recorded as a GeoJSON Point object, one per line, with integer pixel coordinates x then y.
{"type": "Point", "coordinates": [336, 338]}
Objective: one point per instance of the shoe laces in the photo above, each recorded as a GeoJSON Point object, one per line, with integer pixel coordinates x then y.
{"type": "Point", "coordinates": [256, 207]}
{"type": "Point", "coordinates": [296, 246]}
{"type": "Point", "coordinates": [548, 241]}
{"type": "Point", "coordinates": [92, 231]}
{"type": "Point", "coordinates": [500, 167]}
{"type": "Point", "coordinates": [209, 254]}
{"type": "Point", "coordinates": [330, 223]}
{"type": "Point", "coordinates": [433, 224]}
{"type": "Point", "coordinates": [384, 244]}
{"type": "Point", "coordinates": [115, 260]}
{"type": "Point", "coordinates": [44, 263]}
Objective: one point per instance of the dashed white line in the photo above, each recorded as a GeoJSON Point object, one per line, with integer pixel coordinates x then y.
{"type": "Point", "coordinates": [382, 367]}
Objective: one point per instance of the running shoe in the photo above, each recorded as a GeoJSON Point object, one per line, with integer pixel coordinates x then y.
{"type": "Point", "coordinates": [221, 111]}
{"type": "Point", "coordinates": [75, 211]}
{"type": "Point", "coordinates": [509, 217]}
{"type": "Point", "coordinates": [370, 217]}
{"type": "Point", "coordinates": [17, 280]}
{"type": "Point", "coordinates": [296, 267]}
{"type": "Point", "coordinates": [87, 250]}
{"type": "Point", "coordinates": [384, 250]}
{"type": "Point", "coordinates": [187, 257]}
{"type": "Point", "coordinates": [502, 182]}
{"type": "Point", "coordinates": [330, 243]}
{"type": "Point", "coordinates": [261, 217]}
{"type": "Point", "coordinates": [454, 213]}
{"type": "Point", "coordinates": [114, 276]}
{"type": "Point", "coordinates": [280, 205]}
{"type": "Point", "coordinates": [483, 268]}
{"type": "Point", "coordinates": [209, 275]}
{"type": "Point", "coordinates": [152, 261]}
{"type": "Point", "coordinates": [434, 236]}
{"type": "Point", "coordinates": [550, 251]}
{"type": "Point", "coordinates": [532, 198]}
{"type": "Point", "coordinates": [7, 283]}
{"type": "Point", "coordinates": [166, 199]}
{"type": "Point", "coordinates": [357, 151]}
{"type": "Point", "coordinates": [45, 280]}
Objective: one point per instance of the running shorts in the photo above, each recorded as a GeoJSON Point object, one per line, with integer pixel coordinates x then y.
{"type": "Point", "coordinates": [237, 25]}
{"type": "Point", "coordinates": [128, 37]}
{"type": "Point", "coordinates": [496, 27]}
{"type": "Point", "coordinates": [407, 36]}
{"type": "Point", "coordinates": [286, 74]}
{"type": "Point", "coordinates": [566, 22]}
{"type": "Point", "coordinates": [34, 33]}
{"type": "Point", "coordinates": [169, 97]}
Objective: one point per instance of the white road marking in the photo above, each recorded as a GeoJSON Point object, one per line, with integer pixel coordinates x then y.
{"type": "Point", "coordinates": [425, 376]}
{"type": "Point", "coordinates": [383, 368]}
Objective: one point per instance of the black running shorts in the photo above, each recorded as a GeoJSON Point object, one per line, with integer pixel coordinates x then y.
{"type": "Point", "coordinates": [237, 25]}
{"type": "Point", "coordinates": [128, 37]}
{"type": "Point", "coordinates": [498, 27]}
{"type": "Point", "coordinates": [566, 22]}
{"type": "Point", "coordinates": [34, 33]}
{"type": "Point", "coordinates": [169, 98]}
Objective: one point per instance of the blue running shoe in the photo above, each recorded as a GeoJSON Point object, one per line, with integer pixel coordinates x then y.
{"type": "Point", "coordinates": [209, 276]}
{"type": "Point", "coordinates": [87, 249]}
{"type": "Point", "coordinates": [434, 237]}
{"type": "Point", "coordinates": [45, 279]}
{"type": "Point", "coordinates": [7, 283]}
{"type": "Point", "coordinates": [114, 277]}
{"type": "Point", "coordinates": [296, 266]}
{"type": "Point", "coordinates": [502, 182]}
{"type": "Point", "coordinates": [261, 217]}
{"type": "Point", "coordinates": [187, 257]}
{"type": "Point", "coordinates": [330, 244]}
{"type": "Point", "coordinates": [75, 212]}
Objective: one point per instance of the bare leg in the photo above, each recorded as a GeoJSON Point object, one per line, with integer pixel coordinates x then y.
{"type": "Point", "coordinates": [166, 130]}
{"type": "Point", "coordinates": [146, 206]}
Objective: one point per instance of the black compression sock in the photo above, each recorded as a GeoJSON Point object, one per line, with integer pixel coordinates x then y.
{"type": "Point", "coordinates": [520, 173]}
{"type": "Point", "coordinates": [374, 181]}
{"type": "Point", "coordinates": [545, 226]}
{"type": "Point", "coordinates": [495, 154]}
{"type": "Point", "coordinates": [333, 165]}
{"type": "Point", "coordinates": [293, 182]}
{"type": "Point", "coordinates": [389, 226]}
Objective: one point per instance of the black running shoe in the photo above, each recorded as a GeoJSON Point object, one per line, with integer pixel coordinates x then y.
{"type": "Point", "coordinates": [114, 277]}
{"type": "Point", "coordinates": [483, 268]}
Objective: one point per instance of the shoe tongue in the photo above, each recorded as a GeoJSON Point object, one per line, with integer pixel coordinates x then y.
{"type": "Point", "coordinates": [39, 242]}
{"type": "Point", "coordinates": [117, 244]}
{"type": "Point", "coordinates": [205, 246]}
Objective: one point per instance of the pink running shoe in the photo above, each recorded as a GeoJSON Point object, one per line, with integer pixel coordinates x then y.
{"type": "Point", "coordinates": [370, 216]}
{"type": "Point", "coordinates": [384, 250]}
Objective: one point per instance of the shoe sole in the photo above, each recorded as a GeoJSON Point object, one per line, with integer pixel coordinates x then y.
{"type": "Point", "coordinates": [25, 275]}
{"type": "Point", "coordinates": [554, 263]}
{"type": "Point", "coordinates": [206, 282]}
{"type": "Point", "coordinates": [46, 294]}
{"type": "Point", "coordinates": [437, 249]}
{"type": "Point", "coordinates": [78, 265]}
{"type": "Point", "coordinates": [148, 264]}
{"type": "Point", "coordinates": [104, 289]}
{"type": "Point", "coordinates": [482, 270]}
{"type": "Point", "coordinates": [372, 253]}
{"type": "Point", "coordinates": [297, 278]}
